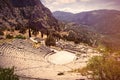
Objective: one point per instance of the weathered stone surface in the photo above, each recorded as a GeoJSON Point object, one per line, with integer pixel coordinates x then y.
{"type": "Point", "coordinates": [31, 63]}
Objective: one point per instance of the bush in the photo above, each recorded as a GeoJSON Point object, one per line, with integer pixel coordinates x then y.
{"type": "Point", "coordinates": [71, 36]}
{"type": "Point", "coordinates": [103, 68]}
{"type": "Point", "coordinates": [20, 37]}
{"type": "Point", "coordinates": [64, 37]}
{"type": "Point", "coordinates": [3, 28]}
{"type": "Point", "coordinates": [57, 36]}
{"type": "Point", "coordinates": [50, 41]}
{"type": "Point", "coordinates": [9, 36]}
{"type": "Point", "coordinates": [22, 31]}
{"type": "Point", "coordinates": [8, 74]}
{"type": "Point", "coordinates": [1, 33]}
{"type": "Point", "coordinates": [77, 41]}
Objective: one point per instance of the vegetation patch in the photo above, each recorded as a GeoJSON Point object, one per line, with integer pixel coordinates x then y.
{"type": "Point", "coordinates": [20, 37]}
{"type": "Point", "coordinates": [8, 74]}
{"type": "Point", "coordinates": [50, 41]}
{"type": "Point", "coordinates": [104, 67]}
{"type": "Point", "coordinates": [1, 33]}
{"type": "Point", "coordinates": [8, 36]}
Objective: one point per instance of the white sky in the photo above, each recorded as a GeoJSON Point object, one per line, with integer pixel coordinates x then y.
{"type": "Point", "coordinates": [76, 6]}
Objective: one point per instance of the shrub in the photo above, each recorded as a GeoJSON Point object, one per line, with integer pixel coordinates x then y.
{"type": "Point", "coordinates": [64, 37]}
{"type": "Point", "coordinates": [1, 33]}
{"type": "Point", "coordinates": [71, 36]}
{"type": "Point", "coordinates": [77, 41]}
{"type": "Point", "coordinates": [20, 37]}
{"type": "Point", "coordinates": [8, 36]}
{"type": "Point", "coordinates": [8, 74]}
{"type": "Point", "coordinates": [22, 30]}
{"type": "Point", "coordinates": [57, 36]}
{"type": "Point", "coordinates": [3, 28]}
{"type": "Point", "coordinates": [50, 41]}
{"type": "Point", "coordinates": [103, 68]}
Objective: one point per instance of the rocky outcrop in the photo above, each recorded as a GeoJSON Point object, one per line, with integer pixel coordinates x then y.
{"type": "Point", "coordinates": [26, 13]}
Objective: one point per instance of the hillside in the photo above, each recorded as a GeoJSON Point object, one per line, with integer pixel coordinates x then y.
{"type": "Point", "coordinates": [22, 14]}
{"type": "Point", "coordinates": [64, 16]}
{"type": "Point", "coordinates": [34, 45]}
{"type": "Point", "coordinates": [104, 22]}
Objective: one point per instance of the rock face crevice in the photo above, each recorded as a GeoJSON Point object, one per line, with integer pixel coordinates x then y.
{"type": "Point", "coordinates": [26, 13]}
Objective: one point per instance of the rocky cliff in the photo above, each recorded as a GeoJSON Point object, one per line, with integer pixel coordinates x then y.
{"type": "Point", "coordinates": [26, 13]}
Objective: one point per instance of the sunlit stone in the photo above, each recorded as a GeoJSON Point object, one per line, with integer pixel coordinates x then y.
{"type": "Point", "coordinates": [61, 57]}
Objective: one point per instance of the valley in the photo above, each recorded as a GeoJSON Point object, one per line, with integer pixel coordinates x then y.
{"type": "Point", "coordinates": [103, 22]}
{"type": "Point", "coordinates": [37, 42]}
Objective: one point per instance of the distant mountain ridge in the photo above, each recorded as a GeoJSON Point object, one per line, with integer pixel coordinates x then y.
{"type": "Point", "coordinates": [103, 21]}
{"type": "Point", "coordinates": [64, 16]}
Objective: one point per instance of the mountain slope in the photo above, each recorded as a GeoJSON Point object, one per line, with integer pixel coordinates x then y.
{"type": "Point", "coordinates": [103, 21]}
{"type": "Point", "coordinates": [26, 13]}
{"type": "Point", "coordinates": [64, 16]}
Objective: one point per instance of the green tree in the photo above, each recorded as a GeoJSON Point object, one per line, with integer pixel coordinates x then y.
{"type": "Point", "coordinates": [50, 41]}
{"type": "Point", "coordinates": [57, 36]}
{"type": "Point", "coordinates": [71, 36]}
{"type": "Point", "coordinates": [8, 74]}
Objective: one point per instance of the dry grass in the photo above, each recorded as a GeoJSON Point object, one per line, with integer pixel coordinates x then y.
{"type": "Point", "coordinates": [5, 41]}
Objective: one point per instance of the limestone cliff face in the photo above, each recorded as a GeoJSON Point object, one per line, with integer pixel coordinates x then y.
{"type": "Point", "coordinates": [26, 13]}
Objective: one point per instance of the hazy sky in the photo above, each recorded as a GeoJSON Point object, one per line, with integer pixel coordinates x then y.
{"type": "Point", "coordinates": [76, 6]}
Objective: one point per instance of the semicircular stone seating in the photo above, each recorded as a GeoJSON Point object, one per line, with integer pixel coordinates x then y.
{"type": "Point", "coordinates": [17, 49]}
{"type": "Point", "coordinates": [31, 62]}
{"type": "Point", "coordinates": [21, 54]}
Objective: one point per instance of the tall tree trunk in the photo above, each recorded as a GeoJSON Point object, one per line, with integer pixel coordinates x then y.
{"type": "Point", "coordinates": [42, 34]}
{"type": "Point", "coordinates": [29, 32]}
